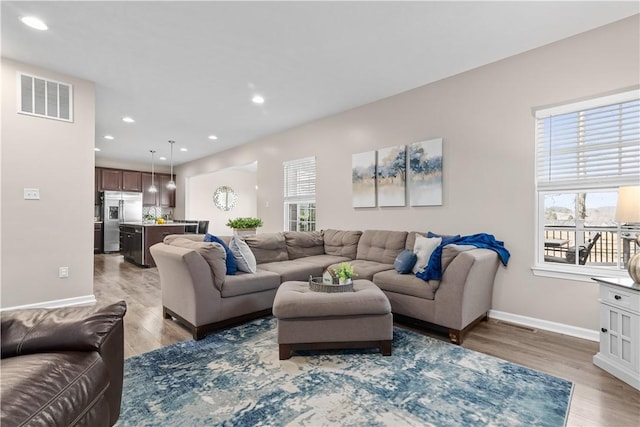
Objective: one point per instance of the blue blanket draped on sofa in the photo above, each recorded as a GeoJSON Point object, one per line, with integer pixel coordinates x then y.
{"type": "Point", "coordinates": [480, 240]}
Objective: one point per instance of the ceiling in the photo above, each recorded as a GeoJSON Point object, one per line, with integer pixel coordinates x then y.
{"type": "Point", "coordinates": [187, 70]}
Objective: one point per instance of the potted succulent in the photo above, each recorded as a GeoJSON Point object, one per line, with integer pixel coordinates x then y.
{"type": "Point", "coordinates": [244, 226]}
{"type": "Point", "coordinates": [345, 272]}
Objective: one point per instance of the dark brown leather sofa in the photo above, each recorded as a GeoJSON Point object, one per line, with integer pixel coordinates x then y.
{"type": "Point", "coordinates": [62, 367]}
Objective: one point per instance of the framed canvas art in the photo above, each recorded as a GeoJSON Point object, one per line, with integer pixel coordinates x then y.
{"type": "Point", "coordinates": [425, 173]}
{"type": "Point", "coordinates": [363, 180]}
{"type": "Point", "coordinates": [391, 176]}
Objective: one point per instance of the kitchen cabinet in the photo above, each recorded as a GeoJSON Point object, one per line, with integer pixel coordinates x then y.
{"type": "Point", "coordinates": [131, 181]}
{"type": "Point", "coordinates": [97, 186]}
{"type": "Point", "coordinates": [111, 179]}
{"type": "Point", "coordinates": [155, 234]}
{"type": "Point", "coordinates": [163, 197]}
{"type": "Point", "coordinates": [167, 196]}
{"type": "Point", "coordinates": [97, 237]}
{"type": "Point", "coordinates": [619, 329]}
{"type": "Point", "coordinates": [148, 198]}
{"type": "Point", "coordinates": [131, 240]}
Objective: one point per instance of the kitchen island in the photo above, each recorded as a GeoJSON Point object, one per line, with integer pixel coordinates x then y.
{"type": "Point", "coordinates": [137, 237]}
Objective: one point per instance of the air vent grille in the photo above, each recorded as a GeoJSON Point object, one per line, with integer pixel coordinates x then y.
{"type": "Point", "coordinates": [45, 98]}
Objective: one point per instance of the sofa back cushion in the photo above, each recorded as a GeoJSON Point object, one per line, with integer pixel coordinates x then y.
{"type": "Point", "coordinates": [381, 245]}
{"type": "Point", "coordinates": [267, 247]}
{"type": "Point", "coordinates": [213, 253]}
{"type": "Point", "coordinates": [304, 243]}
{"type": "Point", "coordinates": [342, 243]}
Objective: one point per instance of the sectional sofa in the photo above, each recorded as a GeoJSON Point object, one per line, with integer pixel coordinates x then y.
{"type": "Point", "coordinates": [198, 293]}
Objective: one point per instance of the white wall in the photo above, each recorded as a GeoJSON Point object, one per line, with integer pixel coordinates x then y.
{"type": "Point", "coordinates": [38, 236]}
{"type": "Point", "coordinates": [484, 117]}
{"type": "Point", "coordinates": [199, 197]}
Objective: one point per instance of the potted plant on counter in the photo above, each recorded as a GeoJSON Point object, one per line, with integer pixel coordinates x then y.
{"type": "Point", "coordinates": [244, 226]}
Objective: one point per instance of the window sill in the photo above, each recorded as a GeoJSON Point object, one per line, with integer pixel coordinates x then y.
{"type": "Point", "coordinates": [581, 274]}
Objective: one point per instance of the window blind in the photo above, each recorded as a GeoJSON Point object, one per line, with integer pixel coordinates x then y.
{"type": "Point", "coordinates": [594, 144]}
{"type": "Point", "coordinates": [300, 180]}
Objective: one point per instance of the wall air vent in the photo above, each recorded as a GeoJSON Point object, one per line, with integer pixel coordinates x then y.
{"type": "Point", "coordinates": [45, 98]}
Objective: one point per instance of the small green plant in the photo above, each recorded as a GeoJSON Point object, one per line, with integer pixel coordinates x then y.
{"type": "Point", "coordinates": [344, 271]}
{"type": "Point", "coordinates": [238, 223]}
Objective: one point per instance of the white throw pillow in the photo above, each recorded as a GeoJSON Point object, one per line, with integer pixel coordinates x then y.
{"type": "Point", "coordinates": [242, 253]}
{"type": "Point", "coordinates": [423, 248]}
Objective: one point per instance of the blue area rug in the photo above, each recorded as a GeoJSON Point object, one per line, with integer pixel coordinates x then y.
{"type": "Point", "coordinates": [234, 378]}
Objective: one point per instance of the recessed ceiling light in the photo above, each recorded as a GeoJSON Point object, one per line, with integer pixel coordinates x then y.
{"type": "Point", "coordinates": [127, 119]}
{"type": "Point", "coordinates": [183, 149]}
{"type": "Point", "coordinates": [109, 137]}
{"type": "Point", "coordinates": [163, 158]}
{"type": "Point", "coordinates": [96, 149]}
{"type": "Point", "coordinates": [257, 99]}
{"type": "Point", "coordinates": [213, 137]}
{"type": "Point", "coordinates": [33, 22]}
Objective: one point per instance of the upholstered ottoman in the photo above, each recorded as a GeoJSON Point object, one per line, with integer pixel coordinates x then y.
{"type": "Point", "coordinates": [310, 320]}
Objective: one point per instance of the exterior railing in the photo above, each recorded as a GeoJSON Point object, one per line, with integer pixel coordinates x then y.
{"type": "Point", "coordinates": [608, 250]}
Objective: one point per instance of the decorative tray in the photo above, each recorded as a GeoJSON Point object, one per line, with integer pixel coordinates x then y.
{"type": "Point", "coordinates": [317, 285]}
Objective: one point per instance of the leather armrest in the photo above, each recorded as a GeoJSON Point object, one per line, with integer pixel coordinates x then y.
{"type": "Point", "coordinates": [59, 329]}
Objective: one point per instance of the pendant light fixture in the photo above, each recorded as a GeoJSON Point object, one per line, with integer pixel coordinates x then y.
{"type": "Point", "coordinates": [171, 185]}
{"type": "Point", "coordinates": [152, 187]}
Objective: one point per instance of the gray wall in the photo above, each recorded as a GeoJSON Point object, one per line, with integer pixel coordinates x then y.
{"type": "Point", "coordinates": [484, 117]}
{"type": "Point", "coordinates": [57, 230]}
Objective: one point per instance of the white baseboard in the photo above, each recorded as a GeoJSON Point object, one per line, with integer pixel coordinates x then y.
{"type": "Point", "coordinates": [546, 325]}
{"type": "Point", "coordinates": [87, 299]}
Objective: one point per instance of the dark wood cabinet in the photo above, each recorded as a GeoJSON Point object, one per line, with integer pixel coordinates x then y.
{"type": "Point", "coordinates": [97, 237]}
{"type": "Point", "coordinates": [167, 196]}
{"type": "Point", "coordinates": [111, 179]}
{"type": "Point", "coordinates": [163, 197]}
{"type": "Point", "coordinates": [131, 181]}
{"type": "Point", "coordinates": [155, 234]}
{"type": "Point", "coordinates": [148, 198]}
{"type": "Point", "coordinates": [97, 186]}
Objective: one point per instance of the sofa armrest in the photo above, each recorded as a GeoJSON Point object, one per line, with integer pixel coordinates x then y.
{"type": "Point", "coordinates": [59, 329]}
{"type": "Point", "coordinates": [466, 289]}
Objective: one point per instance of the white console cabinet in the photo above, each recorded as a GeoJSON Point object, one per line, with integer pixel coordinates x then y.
{"type": "Point", "coordinates": [619, 329]}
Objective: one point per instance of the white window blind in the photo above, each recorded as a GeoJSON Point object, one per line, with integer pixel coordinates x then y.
{"type": "Point", "coordinates": [592, 144]}
{"type": "Point", "coordinates": [300, 180]}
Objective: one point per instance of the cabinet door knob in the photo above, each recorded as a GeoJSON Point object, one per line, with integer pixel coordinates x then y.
{"type": "Point", "coordinates": [618, 297]}
{"type": "Point", "coordinates": [604, 330]}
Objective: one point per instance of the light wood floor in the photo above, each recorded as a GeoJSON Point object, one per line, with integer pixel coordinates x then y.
{"type": "Point", "coordinates": [599, 399]}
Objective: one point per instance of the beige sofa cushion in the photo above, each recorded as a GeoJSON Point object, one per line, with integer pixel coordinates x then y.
{"type": "Point", "coordinates": [267, 247]}
{"type": "Point", "coordinates": [365, 269]}
{"type": "Point", "coordinates": [381, 245]}
{"type": "Point", "coordinates": [406, 284]}
{"type": "Point", "coordinates": [304, 243]}
{"type": "Point", "coordinates": [342, 243]}
{"type": "Point", "coordinates": [213, 253]}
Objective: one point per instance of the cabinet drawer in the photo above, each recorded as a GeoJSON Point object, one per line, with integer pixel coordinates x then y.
{"type": "Point", "coordinates": [622, 298]}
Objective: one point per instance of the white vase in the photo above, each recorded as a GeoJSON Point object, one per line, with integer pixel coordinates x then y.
{"type": "Point", "coordinates": [344, 281]}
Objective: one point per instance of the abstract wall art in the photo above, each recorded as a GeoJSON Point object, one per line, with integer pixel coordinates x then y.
{"type": "Point", "coordinates": [391, 176]}
{"type": "Point", "coordinates": [363, 180]}
{"type": "Point", "coordinates": [425, 173]}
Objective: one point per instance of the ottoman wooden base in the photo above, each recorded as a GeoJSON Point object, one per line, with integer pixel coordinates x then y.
{"type": "Point", "coordinates": [286, 349]}
{"type": "Point", "coordinates": [319, 321]}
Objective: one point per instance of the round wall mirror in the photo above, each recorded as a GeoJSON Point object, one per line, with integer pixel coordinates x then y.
{"type": "Point", "coordinates": [225, 198]}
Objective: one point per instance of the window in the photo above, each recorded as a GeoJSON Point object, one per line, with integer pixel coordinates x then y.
{"type": "Point", "coordinates": [300, 194]}
{"type": "Point", "coordinates": [584, 152]}
{"type": "Point", "coordinates": [45, 98]}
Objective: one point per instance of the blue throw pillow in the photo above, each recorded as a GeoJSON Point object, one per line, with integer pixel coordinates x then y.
{"type": "Point", "coordinates": [405, 261]}
{"type": "Point", "coordinates": [232, 267]}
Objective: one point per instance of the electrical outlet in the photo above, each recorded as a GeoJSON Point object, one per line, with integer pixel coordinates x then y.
{"type": "Point", "coordinates": [63, 272]}
{"type": "Point", "coordinates": [32, 194]}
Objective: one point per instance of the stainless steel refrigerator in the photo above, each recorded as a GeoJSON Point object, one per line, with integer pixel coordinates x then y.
{"type": "Point", "coordinates": [119, 207]}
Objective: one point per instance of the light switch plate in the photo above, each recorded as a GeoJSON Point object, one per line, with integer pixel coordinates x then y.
{"type": "Point", "coordinates": [32, 194]}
